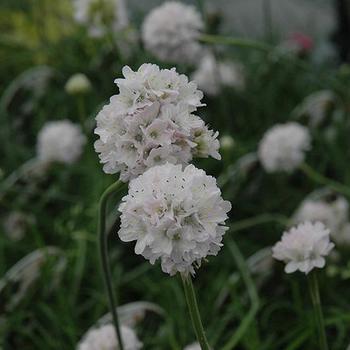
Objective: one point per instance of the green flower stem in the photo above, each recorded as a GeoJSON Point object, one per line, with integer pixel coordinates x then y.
{"type": "Point", "coordinates": [103, 250]}
{"type": "Point", "coordinates": [316, 301]}
{"type": "Point", "coordinates": [194, 311]}
{"type": "Point", "coordinates": [323, 180]}
{"type": "Point", "coordinates": [226, 40]}
{"type": "Point", "coordinates": [81, 110]}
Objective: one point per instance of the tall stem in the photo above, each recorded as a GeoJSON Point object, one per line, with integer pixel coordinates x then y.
{"type": "Point", "coordinates": [103, 250]}
{"type": "Point", "coordinates": [323, 180]}
{"type": "Point", "coordinates": [194, 311]}
{"type": "Point", "coordinates": [316, 301]}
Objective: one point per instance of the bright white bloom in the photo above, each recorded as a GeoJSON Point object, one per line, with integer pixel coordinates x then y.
{"type": "Point", "coordinates": [174, 215]}
{"type": "Point", "coordinates": [60, 141]}
{"type": "Point", "coordinates": [316, 106]}
{"type": "Point", "coordinates": [304, 247]}
{"type": "Point", "coordinates": [78, 84]}
{"type": "Point", "coordinates": [151, 122]}
{"type": "Point", "coordinates": [283, 147]}
{"type": "Point", "coordinates": [171, 32]}
{"type": "Point", "coordinates": [334, 214]}
{"type": "Point", "coordinates": [99, 15]}
{"type": "Point", "coordinates": [211, 75]}
{"type": "Point", "coordinates": [16, 224]}
{"type": "Point", "coordinates": [193, 346]}
{"type": "Point", "coordinates": [105, 338]}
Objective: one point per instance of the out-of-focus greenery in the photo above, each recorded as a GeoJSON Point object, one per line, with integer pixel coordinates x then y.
{"type": "Point", "coordinates": [40, 48]}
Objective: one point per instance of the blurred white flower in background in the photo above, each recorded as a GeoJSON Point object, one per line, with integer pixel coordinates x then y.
{"type": "Point", "coordinates": [171, 32]}
{"type": "Point", "coordinates": [60, 141]}
{"type": "Point", "coordinates": [283, 147]}
{"type": "Point", "coordinates": [211, 76]}
{"type": "Point", "coordinates": [304, 247]}
{"type": "Point", "coordinates": [174, 215]}
{"type": "Point", "coordinates": [227, 143]}
{"type": "Point", "coordinates": [150, 122]}
{"type": "Point", "coordinates": [316, 106]}
{"type": "Point", "coordinates": [16, 224]}
{"type": "Point", "coordinates": [78, 84]}
{"type": "Point", "coordinates": [334, 214]}
{"type": "Point", "coordinates": [104, 338]}
{"type": "Point", "coordinates": [101, 15]}
{"type": "Point", "coordinates": [193, 346]}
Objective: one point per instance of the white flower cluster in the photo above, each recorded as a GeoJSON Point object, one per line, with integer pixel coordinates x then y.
{"type": "Point", "coordinates": [105, 338]}
{"type": "Point", "coordinates": [211, 76]}
{"type": "Point", "coordinates": [334, 214]}
{"type": "Point", "coordinates": [60, 141]}
{"type": "Point", "coordinates": [304, 247]}
{"type": "Point", "coordinates": [101, 15]}
{"type": "Point", "coordinates": [78, 84]}
{"type": "Point", "coordinates": [283, 147]}
{"type": "Point", "coordinates": [174, 215]}
{"type": "Point", "coordinates": [150, 122]}
{"type": "Point", "coordinates": [171, 32]}
{"type": "Point", "coordinates": [316, 106]}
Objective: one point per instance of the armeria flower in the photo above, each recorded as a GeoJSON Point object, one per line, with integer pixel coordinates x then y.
{"type": "Point", "coordinates": [316, 106]}
{"type": "Point", "coordinates": [78, 84]}
{"type": "Point", "coordinates": [151, 122]}
{"type": "Point", "coordinates": [211, 76]}
{"type": "Point", "coordinates": [304, 247]}
{"type": "Point", "coordinates": [60, 141]}
{"type": "Point", "coordinates": [174, 215]}
{"type": "Point", "coordinates": [283, 147]}
{"type": "Point", "coordinates": [101, 15]}
{"type": "Point", "coordinates": [333, 213]}
{"type": "Point", "coordinates": [171, 32]}
{"type": "Point", "coordinates": [104, 337]}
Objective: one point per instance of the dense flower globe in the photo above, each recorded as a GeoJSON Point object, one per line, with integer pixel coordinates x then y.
{"type": "Point", "coordinates": [60, 141]}
{"type": "Point", "coordinates": [171, 32]}
{"type": "Point", "coordinates": [333, 213]}
{"type": "Point", "coordinates": [101, 15]}
{"type": "Point", "coordinates": [304, 247]}
{"type": "Point", "coordinates": [211, 76]}
{"type": "Point", "coordinates": [105, 338]}
{"type": "Point", "coordinates": [78, 84]}
{"type": "Point", "coordinates": [283, 147]}
{"type": "Point", "coordinates": [174, 215]}
{"type": "Point", "coordinates": [150, 122]}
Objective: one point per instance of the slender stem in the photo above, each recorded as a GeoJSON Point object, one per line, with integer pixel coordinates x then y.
{"type": "Point", "coordinates": [81, 110]}
{"type": "Point", "coordinates": [194, 311]}
{"type": "Point", "coordinates": [323, 180]}
{"type": "Point", "coordinates": [316, 301]}
{"type": "Point", "coordinates": [103, 250]}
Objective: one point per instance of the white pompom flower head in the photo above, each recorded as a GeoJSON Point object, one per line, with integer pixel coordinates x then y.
{"type": "Point", "coordinates": [174, 215]}
{"type": "Point", "coordinates": [171, 32]}
{"type": "Point", "coordinates": [304, 247]}
{"type": "Point", "coordinates": [283, 147]}
{"type": "Point", "coordinates": [60, 141]}
{"type": "Point", "coordinates": [151, 121]}
{"type": "Point", "coordinates": [104, 337]}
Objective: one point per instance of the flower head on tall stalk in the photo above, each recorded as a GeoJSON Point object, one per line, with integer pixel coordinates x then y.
{"type": "Point", "coordinates": [304, 247]}
{"type": "Point", "coordinates": [151, 122]}
{"type": "Point", "coordinates": [104, 337]}
{"type": "Point", "coordinates": [171, 32]}
{"type": "Point", "coordinates": [283, 147]}
{"type": "Point", "coordinates": [174, 215]}
{"type": "Point", "coordinates": [60, 141]}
